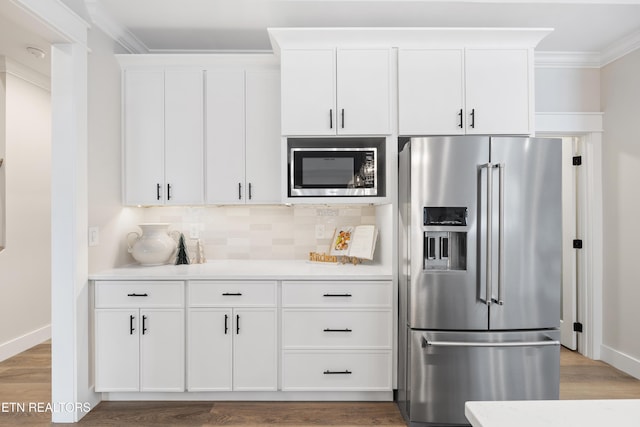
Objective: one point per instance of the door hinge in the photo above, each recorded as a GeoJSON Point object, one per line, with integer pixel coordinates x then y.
{"type": "Point", "coordinates": [577, 160]}
{"type": "Point", "coordinates": [577, 327]}
{"type": "Point", "coordinates": [577, 244]}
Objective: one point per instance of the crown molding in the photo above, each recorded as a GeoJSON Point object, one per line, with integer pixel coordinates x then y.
{"type": "Point", "coordinates": [25, 73]}
{"type": "Point", "coordinates": [567, 59]}
{"type": "Point", "coordinates": [620, 48]}
{"type": "Point", "coordinates": [103, 20]}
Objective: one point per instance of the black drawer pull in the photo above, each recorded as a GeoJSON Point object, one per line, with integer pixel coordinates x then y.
{"type": "Point", "coordinates": [232, 294]}
{"type": "Point", "coordinates": [138, 295]}
{"type": "Point", "coordinates": [338, 330]}
{"type": "Point", "coordinates": [337, 295]}
{"type": "Point", "coordinates": [347, 372]}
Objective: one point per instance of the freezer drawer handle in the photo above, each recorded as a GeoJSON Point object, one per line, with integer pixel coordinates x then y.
{"type": "Point", "coordinates": [347, 372]}
{"type": "Point", "coordinates": [489, 344]}
{"type": "Point", "coordinates": [337, 295]}
{"type": "Point", "coordinates": [338, 330]}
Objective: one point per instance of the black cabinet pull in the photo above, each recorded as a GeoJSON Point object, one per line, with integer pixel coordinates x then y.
{"type": "Point", "coordinates": [460, 115]}
{"type": "Point", "coordinates": [144, 324]}
{"type": "Point", "coordinates": [473, 118]}
{"type": "Point", "coordinates": [168, 191]}
{"type": "Point", "coordinates": [330, 118]}
{"type": "Point", "coordinates": [239, 191]}
{"type": "Point", "coordinates": [337, 295]}
{"type": "Point", "coordinates": [237, 324]}
{"type": "Point", "coordinates": [232, 294]}
{"type": "Point", "coordinates": [226, 324]}
{"type": "Point", "coordinates": [249, 191]}
{"type": "Point", "coordinates": [158, 191]}
{"type": "Point", "coordinates": [338, 330]}
{"type": "Point", "coordinates": [131, 328]}
{"type": "Point", "coordinates": [347, 372]}
{"type": "Point", "coordinates": [342, 114]}
{"type": "Point", "coordinates": [138, 295]}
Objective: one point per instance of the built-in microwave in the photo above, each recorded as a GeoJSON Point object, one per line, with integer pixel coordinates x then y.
{"type": "Point", "coordinates": [337, 167]}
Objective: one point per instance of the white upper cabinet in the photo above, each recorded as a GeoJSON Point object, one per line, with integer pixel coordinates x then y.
{"type": "Point", "coordinates": [225, 136]}
{"type": "Point", "coordinates": [465, 91]}
{"type": "Point", "coordinates": [431, 91]}
{"type": "Point", "coordinates": [263, 137]}
{"type": "Point", "coordinates": [184, 137]}
{"type": "Point", "coordinates": [328, 91]}
{"type": "Point", "coordinates": [498, 91]}
{"type": "Point", "coordinates": [164, 137]}
{"type": "Point", "coordinates": [308, 92]}
{"type": "Point", "coordinates": [243, 136]}
{"type": "Point", "coordinates": [363, 92]}
{"type": "Point", "coordinates": [144, 137]}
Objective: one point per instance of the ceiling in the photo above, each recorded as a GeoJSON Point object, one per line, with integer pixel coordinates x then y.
{"type": "Point", "coordinates": [204, 25]}
{"type": "Point", "coordinates": [214, 25]}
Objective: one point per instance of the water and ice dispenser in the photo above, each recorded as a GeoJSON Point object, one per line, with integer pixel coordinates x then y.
{"type": "Point", "coordinates": [445, 249]}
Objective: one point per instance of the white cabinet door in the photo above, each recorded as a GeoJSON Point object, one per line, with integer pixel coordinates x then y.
{"type": "Point", "coordinates": [184, 137]}
{"type": "Point", "coordinates": [308, 92]}
{"type": "Point", "coordinates": [497, 91]}
{"type": "Point", "coordinates": [143, 137]}
{"type": "Point", "coordinates": [161, 350]}
{"type": "Point", "coordinates": [430, 92]}
{"type": "Point", "coordinates": [263, 137]}
{"type": "Point", "coordinates": [363, 91]}
{"type": "Point", "coordinates": [254, 349]}
{"type": "Point", "coordinates": [210, 349]}
{"type": "Point", "coordinates": [225, 137]}
{"type": "Point", "coordinates": [117, 350]}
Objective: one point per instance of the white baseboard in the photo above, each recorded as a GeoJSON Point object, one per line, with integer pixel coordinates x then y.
{"type": "Point", "coordinates": [25, 342]}
{"type": "Point", "coordinates": [620, 361]}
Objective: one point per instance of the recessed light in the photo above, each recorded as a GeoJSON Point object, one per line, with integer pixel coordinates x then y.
{"type": "Point", "coordinates": [36, 51]}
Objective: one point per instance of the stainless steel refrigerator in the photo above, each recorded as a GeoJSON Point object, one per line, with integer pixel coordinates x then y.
{"type": "Point", "coordinates": [479, 274]}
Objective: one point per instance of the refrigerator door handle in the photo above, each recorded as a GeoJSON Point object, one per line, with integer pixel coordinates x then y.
{"type": "Point", "coordinates": [501, 183]}
{"type": "Point", "coordinates": [426, 343]}
{"type": "Point", "coordinates": [489, 261]}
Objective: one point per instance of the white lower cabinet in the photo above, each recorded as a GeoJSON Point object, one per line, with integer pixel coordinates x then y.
{"type": "Point", "coordinates": [231, 347]}
{"type": "Point", "coordinates": [139, 336]}
{"type": "Point", "coordinates": [336, 370]}
{"type": "Point", "coordinates": [337, 336]}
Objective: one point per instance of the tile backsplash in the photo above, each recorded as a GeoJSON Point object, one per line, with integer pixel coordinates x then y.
{"type": "Point", "coordinates": [260, 232]}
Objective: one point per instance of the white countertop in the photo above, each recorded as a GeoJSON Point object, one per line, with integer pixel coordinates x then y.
{"type": "Point", "coordinates": [248, 269]}
{"type": "Point", "coordinates": [554, 413]}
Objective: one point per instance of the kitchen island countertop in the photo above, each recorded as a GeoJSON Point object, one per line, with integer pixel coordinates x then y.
{"type": "Point", "coordinates": [554, 413]}
{"type": "Point", "coordinates": [248, 270]}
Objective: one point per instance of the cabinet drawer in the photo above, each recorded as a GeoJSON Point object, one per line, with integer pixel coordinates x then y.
{"type": "Point", "coordinates": [228, 293]}
{"type": "Point", "coordinates": [336, 294]}
{"type": "Point", "coordinates": [142, 294]}
{"type": "Point", "coordinates": [335, 328]}
{"type": "Point", "coordinates": [332, 370]}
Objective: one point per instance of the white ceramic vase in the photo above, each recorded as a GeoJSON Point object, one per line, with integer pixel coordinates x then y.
{"type": "Point", "coordinates": [154, 246]}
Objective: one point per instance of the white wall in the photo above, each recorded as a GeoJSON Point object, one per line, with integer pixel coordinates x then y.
{"type": "Point", "coordinates": [621, 204]}
{"type": "Point", "coordinates": [25, 263]}
{"type": "Point", "coordinates": [567, 89]}
{"type": "Point", "coordinates": [104, 162]}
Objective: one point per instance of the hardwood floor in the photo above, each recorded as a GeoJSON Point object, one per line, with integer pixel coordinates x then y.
{"type": "Point", "coordinates": [26, 379]}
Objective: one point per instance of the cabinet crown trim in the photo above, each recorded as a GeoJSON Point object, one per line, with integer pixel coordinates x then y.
{"type": "Point", "coordinates": [426, 37]}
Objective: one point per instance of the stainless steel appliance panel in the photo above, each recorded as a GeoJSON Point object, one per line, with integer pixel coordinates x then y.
{"type": "Point", "coordinates": [445, 171]}
{"type": "Point", "coordinates": [527, 264]}
{"type": "Point", "coordinates": [450, 368]}
{"type": "Point", "coordinates": [404, 228]}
